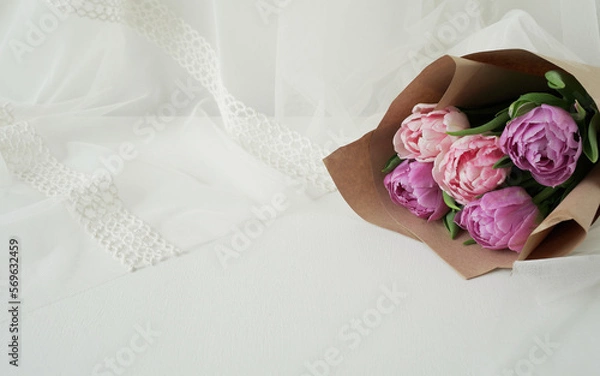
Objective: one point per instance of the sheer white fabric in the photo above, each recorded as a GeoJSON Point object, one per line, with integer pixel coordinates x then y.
{"type": "Point", "coordinates": [278, 146]}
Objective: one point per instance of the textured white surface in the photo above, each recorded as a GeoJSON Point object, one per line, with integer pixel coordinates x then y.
{"type": "Point", "coordinates": [290, 293]}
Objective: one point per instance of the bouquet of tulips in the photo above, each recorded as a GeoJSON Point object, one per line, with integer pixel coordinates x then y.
{"type": "Point", "coordinates": [497, 149]}
{"type": "Point", "coordinates": [497, 180]}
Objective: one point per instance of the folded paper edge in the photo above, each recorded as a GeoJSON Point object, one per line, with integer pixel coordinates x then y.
{"type": "Point", "coordinates": [363, 197]}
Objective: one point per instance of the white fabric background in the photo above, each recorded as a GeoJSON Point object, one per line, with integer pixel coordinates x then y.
{"type": "Point", "coordinates": [327, 70]}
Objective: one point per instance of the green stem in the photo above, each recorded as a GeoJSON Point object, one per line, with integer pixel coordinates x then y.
{"type": "Point", "coordinates": [543, 195]}
{"type": "Point", "coordinates": [493, 124]}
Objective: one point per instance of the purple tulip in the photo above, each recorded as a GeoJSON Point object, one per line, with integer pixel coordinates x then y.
{"type": "Point", "coordinates": [546, 142]}
{"type": "Point", "coordinates": [411, 185]}
{"type": "Point", "coordinates": [500, 219]}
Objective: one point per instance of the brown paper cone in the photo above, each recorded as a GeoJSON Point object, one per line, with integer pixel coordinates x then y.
{"type": "Point", "coordinates": [471, 81]}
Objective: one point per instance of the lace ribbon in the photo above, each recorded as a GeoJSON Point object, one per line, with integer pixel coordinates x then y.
{"type": "Point", "coordinates": [92, 200]}
{"type": "Point", "coordinates": [274, 144]}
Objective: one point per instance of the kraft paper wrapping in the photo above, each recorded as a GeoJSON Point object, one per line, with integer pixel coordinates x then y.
{"type": "Point", "coordinates": [470, 81]}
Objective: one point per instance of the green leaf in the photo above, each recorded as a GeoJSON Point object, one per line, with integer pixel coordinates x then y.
{"type": "Point", "coordinates": [590, 143]}
{"type": "Point", "coordinates": [391, 164]}
{"type": "Point", "coordinates": [470, 241]}
{"type": "Point", "coordinates": [519, 108]}
{"type": "Point", "coordinates": [450, 202]}
{"type": "Point", "coordinates": [569, 88]}
{"type": "Point", "coordinates": [529, 101]}
{"type": "Point", "coordinates": [504, 162]}
{"type": "Point", "coordinates": [545, 98]}
{"type": "Point", "coordinates": [497, 122]}
{"type": "Point", "coordinates": [555, 80]}
{"type": "Point", "coordinates": [452, 227]}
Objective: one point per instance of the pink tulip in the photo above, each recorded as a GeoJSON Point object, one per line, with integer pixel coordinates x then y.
{"type": "Point", "coordinates": [422, 135]}
{"type": "Point", "coordinates": [466, 170]}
